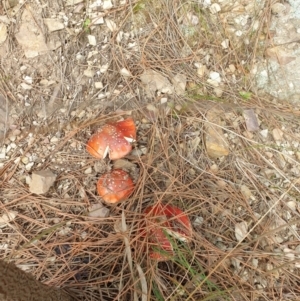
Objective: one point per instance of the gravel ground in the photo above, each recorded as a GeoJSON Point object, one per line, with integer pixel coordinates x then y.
{"type": "Point", "coordinates": [205, 142]}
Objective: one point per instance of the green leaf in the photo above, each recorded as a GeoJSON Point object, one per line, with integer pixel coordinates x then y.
{"type": "Point", "coordinates": [246, 95]}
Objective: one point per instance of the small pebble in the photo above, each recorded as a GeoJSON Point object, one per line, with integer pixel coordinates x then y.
{"type": "Point", "coordinates": [125, 72]}
{"type": "Point", "coordinates": [54, 139]}
{"type": "Point", "coordinates": [232, 68]}
{"type": "Point", "coordinates": [144, 150]}
{"type": "Point", "coordinates": [163, 100]}
{"type": "Point", "coordinates": [89, 72]}
{"type": "Point", "coordinates": [215, 8]}
{"type": "Point", "coordinates": [26, 86]}
{"type": "Point", "coordinates": [29, 166]}
{"type": "Point", "coordinates": [92, 40]}
{"type": "Point", "coordinates": [225, 43]}
{"type": "Point", "coordinates": [25, 160]}
{"type": "Point", "coordinates": [277, 134]}
{"type": "Point", "coordinates": [107, 4]}
{"type": "Point", "coordinates": [264, 133]}
{"type": "Point", "coordinates": [202, 70]}
{"type": "Point", "coordinates": [104, 68]}
{"type": "Point", "coordinates": [218, 91]}
{"type": "Point", "coordinates": [98, 85]}
{"type": "Point", "coordinates": [88, 170]}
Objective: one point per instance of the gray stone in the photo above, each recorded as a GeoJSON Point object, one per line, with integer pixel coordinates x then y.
{"type": "Point", "coordinates": [279, 75]}
{"type": "Point", "coordinates": [154, 81]}
{"type": "Point", "coordinates": [31, 38]}
{"type": "Point", "coordinates": [53, 24]}
{"type": "Point", "coordinates": [41, 181]}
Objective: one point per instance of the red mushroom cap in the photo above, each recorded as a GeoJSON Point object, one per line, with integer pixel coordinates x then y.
{"type": "Point", "coordinates": [127, 128]}
{"type": "Point", "coordinates": [115, 186]}
{"type": "Point", "coordinates": [181, 227]}
{"type": "Point", "coordinates": [161, 247]}
{"type": "Point", "coordinates": [113, 139]}
{"type": "Point", "coordinates": [166, 218]}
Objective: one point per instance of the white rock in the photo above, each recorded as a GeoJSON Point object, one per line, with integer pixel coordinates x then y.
{"type": "Point", "coordinates": [241, 20]}
{"type": "Point", "coordinates": [3, 32]}
{"type": "Point", "coordinates": [206, 3]}
{"type": "Point", "coordinates": [29, 166]}
{"type": "Point", "coordinates": [28, 79]}
{"type": "Point", "coordinates": [107, 4]}
{"type": "Point", "coordinates": [88, 170]}
{"type": "Point", "coordinates": [98, 85]}
{"type": "Point", "coordinates": [64, 231]}
{"type": "Point", "coordinates": [198, 221]}
{"type": "Point", "coordinates": [119, 36]}
{"type": "Point", "coordinates": [201, 70]}
{"type": "Point", "coordinates": [25, 86]}
{"type": "Point", "coordinates": [292, 205]}
{"type": "Point", "coordinates": [225, 43]}
{"type": "Point", "coordinates": [95, 4]}
{"type": "Point", "coordinates": [73, 2]}
{"type": "Point", "coordinates": [215, 76]}
{"type": "Point", "coordinates": [125, 72]}
{"type": "Point", "coordinates": [215, 8]}
{"type": "Point", "coordinates": [104, 68]}
{"type": "Point", "coordinates": [54, 139]}
{"type": "Point", "coordinates": [25, 160]}
{"type": "Point", "coordinates": [46, 83]}
{"type": "Point", "coordinates": [264, 133]}
{"type": "Point", "coordinates": [112, 26]}
{"type": "Point", "coordinates": [41, 181]}
{"type": "Point", "coordinates": [144, 150]}
{"type": "Point", "coordinates": [191, 19]}
{"type": "Point", "coordinates": [214, 83]}
{"type": "Point", "coordinates": [6, 20]}
{"type": "Point", "coordinates": [89, 72]}
{"type": "Point", "coordinates": [101, 96]}
{"type": "Point", "coordinates": [97, 19]}
{"type": "Point", "coordinates": [92, 40]}
{"type": "Point", "coordinates": [53, 24]}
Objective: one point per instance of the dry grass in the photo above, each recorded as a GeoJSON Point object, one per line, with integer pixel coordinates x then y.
{"type": "Point", "coordinates": [54, 238]}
